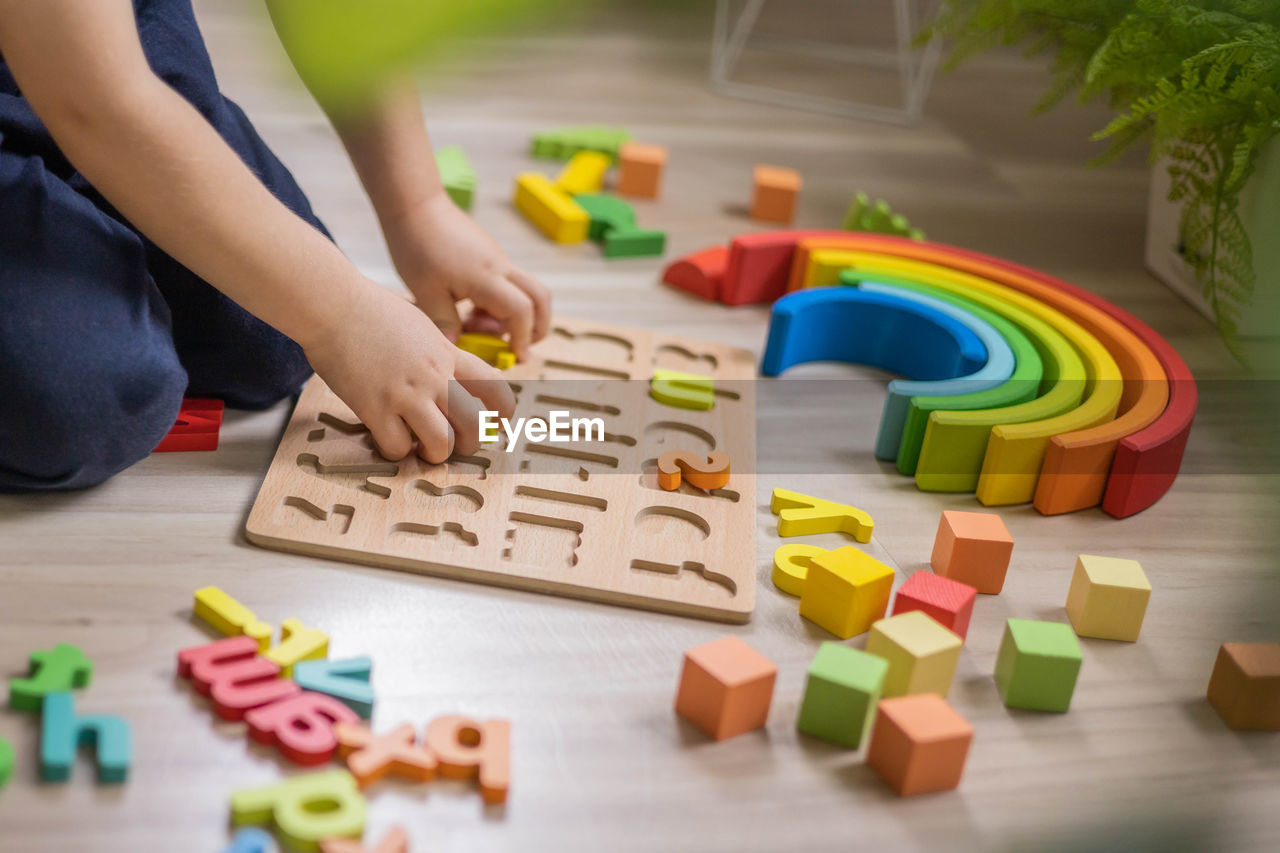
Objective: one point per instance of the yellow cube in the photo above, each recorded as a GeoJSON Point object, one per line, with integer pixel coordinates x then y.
{"type": "Point", "coordinates": [922, 654]}
{"type": "Point", "coordinates": [845, 591]}
{"type": "Point", "coordinates": [550, 208]}
{"type": "Point", "coordinates": [1108, 598]}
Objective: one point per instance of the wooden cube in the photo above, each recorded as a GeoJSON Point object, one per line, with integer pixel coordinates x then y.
{"type": "Point", "coordinates": [973, 548]}
{"type": "Point", "coordinates": [949, 602]}
{"type": "Point", "coordinates": [841, 693]}
{"type": "Point", "coordinates": [1108, 598]}
{"type": "Point", "coordinates": [919, 744]}
{"type": "Point", "coordinates": [1037, 666]}
{"type": "Point", "coordinates": [725, 687]}
{"type": "Point", "coordinates": [774, 197]}
{"type": "Point", "coordinates": [922, 654]}
{"type": "Point", "coordinates": [640, 169]}
{"type": "Point", "coordinates": [845, 590]}
{"type": "Point", "coordinates": [1245, 686]}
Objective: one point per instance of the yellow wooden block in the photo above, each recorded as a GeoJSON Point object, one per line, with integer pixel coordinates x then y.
{"type": "Point", "coordinates": [491, 348]}
{"type": "Point", "coordinates": [229, 617]}
{"type": "Point", "coordinates": [802, 515]}
{"type": "Point", "coordinates": [584, 173]}
{"type": "Point", "coordinates": [297, 643]}
{"type": "Point", "coordinates": [845, 591]}
{"type": "Point", "coordinates": [791, 566]}
{"type": "Point", "coordinates": [683, 390]}
{"type": "Point", "coordinates": [551, 209]}
{"type": "Point", "coordinates": [922, 654]}
{"type": "Point", "coordinates": [1108, 598]}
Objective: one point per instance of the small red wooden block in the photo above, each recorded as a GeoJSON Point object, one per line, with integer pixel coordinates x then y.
{"type": "Point", "coordinates": [700, 273]}
{"type": "Point", "coordinates": [949, 602]}
{"type": "Point", "coordinates": [1245, 686]}
{"type": "Point", "coordinates": [301, 726]}
{"type": "Point", "coordinates": [196, 428]}
{"type": "Point", "coordinates": [726, 688]}
{"type": "Point", "coordinates": [973, 548]}
{"type": "Point", "coordinates": [919, 744]}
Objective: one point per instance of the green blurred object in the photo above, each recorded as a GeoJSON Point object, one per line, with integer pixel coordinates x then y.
{"type": "Point", "coordinates": [607, 213]}
{"type": "Point", "coordinates": [633, 243]}
{"type": "Point", "coordinates": [562, 143]}
{"type": "Point", "coordinates": [878, 218]}
{"type": "Point", "coordinates": [346, 50]}
{"type": "Point", "coordinates": [456, 173]}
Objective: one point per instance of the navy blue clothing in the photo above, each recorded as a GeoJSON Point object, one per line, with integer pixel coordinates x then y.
{"type": "Point", "coordinates": [101, 333]}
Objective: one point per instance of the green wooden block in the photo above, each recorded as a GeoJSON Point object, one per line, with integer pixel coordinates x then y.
{"type": "Point", "coordinates": [52, 671]}
{"type": "Point", "coordinates": [563, 143]}
{"type": "Point", "coordinates": [606, 212]}
{"type": "Point", "coordinates": [841, 694]}
{"type": "Point", "coordinates": [878, 218]}
{"type": "Point", "coordinates": [457, 175]}
{"type": "Point", "coordinates": [6, 761]}
{"type": "Point", "coordinates": [633, 243]}
{"type": "Point", "coordinates": [1037, 665]}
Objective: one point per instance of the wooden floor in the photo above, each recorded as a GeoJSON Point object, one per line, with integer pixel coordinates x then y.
{"type": "Point", "coordinates": [600, 760]}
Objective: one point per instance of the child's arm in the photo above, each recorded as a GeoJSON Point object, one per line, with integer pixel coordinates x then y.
{"type": "Point", "coordinates": [439, 251]}
{"type": "Point", "coordinates": [80, 65]}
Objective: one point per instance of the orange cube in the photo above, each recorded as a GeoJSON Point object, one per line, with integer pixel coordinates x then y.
{"type": "Point", "coordinates": [1245, 686]}
{"type": "Point", "coordinates": [919, 744]}
{"type": "Point", "coordinates": [776, 189]}
{"type": "Point", "coordinates": [640, 168]}
{"type": "Point", "coordinates": [726, 688]}
{"type": "Point", "coordinates": [973, 548]}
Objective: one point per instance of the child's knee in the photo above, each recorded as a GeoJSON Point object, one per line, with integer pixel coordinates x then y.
{"type": "Point", "coordinates": [75, 431]}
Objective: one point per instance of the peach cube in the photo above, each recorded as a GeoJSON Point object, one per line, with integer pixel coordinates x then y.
{"type": "Point", "coordinates": [726, 688]}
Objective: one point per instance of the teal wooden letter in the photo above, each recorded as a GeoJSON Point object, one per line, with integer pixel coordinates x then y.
{"type": "Point", "coordinates": [62, 732]}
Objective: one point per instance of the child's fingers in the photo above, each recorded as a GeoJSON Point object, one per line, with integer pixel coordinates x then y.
{"type": "Point", "coordinates": [514, 308]}
{"type": "Point", "coordinates": [541, 297]}
{"type": "Point", "coordinates": [435, 436]}
{"type": "Point", "coordinates": [391, 437]}
{"type": "Point", "coordinates": [483, 323]}
{"type": "Point", "coordinates": [485, 383]}
{"type": "Point", "coordinates": [463, 412]}
{"type": "Point", "coordinates": [439, 305]}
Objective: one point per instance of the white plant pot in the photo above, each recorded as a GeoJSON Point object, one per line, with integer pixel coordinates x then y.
{"type": "Point", "coordinates": [1260, 211]}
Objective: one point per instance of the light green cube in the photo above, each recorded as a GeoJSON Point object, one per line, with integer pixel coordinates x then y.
{"type": "Point", "coordinates": [841, 694]}
{"type": "Point", "coordinates": [1038, 665]}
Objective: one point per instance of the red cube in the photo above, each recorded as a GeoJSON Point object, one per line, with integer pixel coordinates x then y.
{"type": "Point", "coordinates": [949, 602]}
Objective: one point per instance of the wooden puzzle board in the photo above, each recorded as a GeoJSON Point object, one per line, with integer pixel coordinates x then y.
{"type": "Point", "coordinates": [585, 520]}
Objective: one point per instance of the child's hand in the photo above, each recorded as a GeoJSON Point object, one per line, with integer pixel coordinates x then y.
{"type": "Point", "coordinates": [444, 257]}
{"type": "Point", "coordinates": [394, 368]}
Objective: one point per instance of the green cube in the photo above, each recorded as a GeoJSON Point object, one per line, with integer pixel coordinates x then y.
{"type": "Point", "coordinates": [1037, 665]}
{"type": "Point", "coordinates": [841, 694]}
{"type": "Point", "coordinates": [633, 243]}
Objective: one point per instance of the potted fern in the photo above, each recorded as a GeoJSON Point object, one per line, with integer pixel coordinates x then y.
{"type": "Point", "coordinates": [1199, 80]}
